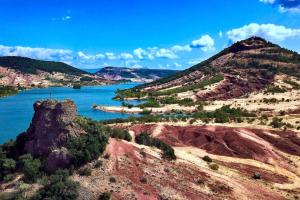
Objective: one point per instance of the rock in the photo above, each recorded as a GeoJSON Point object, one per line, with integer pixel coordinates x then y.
{"type": "Point", "coordinates": [53, 124]}
{"type": "Point", "coordinates": [58, 159]}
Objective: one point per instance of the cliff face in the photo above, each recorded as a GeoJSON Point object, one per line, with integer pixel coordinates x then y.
{"type": "Point", "coordinates": [52, 125]}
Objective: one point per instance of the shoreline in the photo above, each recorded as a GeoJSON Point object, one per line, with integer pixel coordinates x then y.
{"type": "Point", "coordinates": [136, 110]}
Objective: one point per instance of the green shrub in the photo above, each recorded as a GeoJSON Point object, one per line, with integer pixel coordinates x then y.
{"type": "Point", "coordinates": [143, 180]}
{"type": "Point", "coordinates": [120, 134]}
{"type": "Point", "coordinates": [145, 139]}
{"type": "Point", "coordinates": [112, 179]}
{"type": "Point", "coordinates": [86, 171]}
{"type": "Point", "coordinates": [128, 105]}
{"type": "Point", "coordinates": [7, 91]}
{"type": "Point", "coordinates": [277, 122]}
{"type": "Point", "coordinates": [214, 166]}
{"type": "Point", "coordinates": [207, 159]}
{"type": "Point", "coordinates": [146, 112]}
{"type": "Point", "coordinates": [294, 84]}
{"type": "Point", "coordinates": [88, 147]}
{"type": "Point", "coordinates": [76, 86]}
{"type": "Point", "coordinates": [58, 187]}
{"type": "Point", "coordinates": [256, 175]}
{"type": "Point", "coordinates": [151, 103]}
{"type": "Point", "coordinates": [30, 167]}
{"type": "Point", "coordinates": [275, 89]}
{"type": "Point", "coordinates": [105, 196]}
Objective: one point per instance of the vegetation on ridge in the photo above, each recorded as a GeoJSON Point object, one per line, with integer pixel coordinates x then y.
{"type": "Point", "coordinates": [31, 66]}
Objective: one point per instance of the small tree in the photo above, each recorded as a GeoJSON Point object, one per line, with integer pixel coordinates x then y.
{"type": "Point", "coordinates": [30, 167]}
{"type": "Point", "coordinates": [58, 187]}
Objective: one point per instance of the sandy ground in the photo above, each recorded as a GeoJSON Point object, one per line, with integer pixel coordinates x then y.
{"type": "Point", "coordinates": [164, 109]}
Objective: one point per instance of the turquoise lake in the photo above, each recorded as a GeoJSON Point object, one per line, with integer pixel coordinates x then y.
{"type": "Point", "coordinates": [16, 111]}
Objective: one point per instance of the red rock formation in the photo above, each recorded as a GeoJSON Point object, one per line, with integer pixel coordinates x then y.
{"type": "Point", "coordinates": [52, 125]}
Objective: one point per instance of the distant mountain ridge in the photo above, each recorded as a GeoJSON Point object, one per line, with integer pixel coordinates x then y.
{"type": "Point", "coordinates": [133, 74]}
{"type": "Point", "coordinates": [29, 65]}
{"type": "Point", "coordinates": [27, 72]}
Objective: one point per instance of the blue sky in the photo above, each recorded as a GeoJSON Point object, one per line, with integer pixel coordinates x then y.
{"type": "Point", "coordinates": [141, 33]}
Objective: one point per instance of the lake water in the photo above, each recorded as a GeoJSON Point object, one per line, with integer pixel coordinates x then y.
{"type": "Point", "coordinates": [16, 111]}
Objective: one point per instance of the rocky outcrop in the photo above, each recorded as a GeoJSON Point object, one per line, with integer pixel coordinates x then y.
{"type": "Point", "coordinates": [53, 124]}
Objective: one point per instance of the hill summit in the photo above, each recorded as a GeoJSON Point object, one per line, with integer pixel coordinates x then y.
{"type": "Point", "coordinates": [244, 67]}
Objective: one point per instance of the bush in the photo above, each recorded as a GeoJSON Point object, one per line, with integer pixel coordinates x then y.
{"type": "Point", "coordinates": [76, 86]}
{"type": "Point", "coordinates": [214, 166]}
{"type": "Point", "coordinates": [207, 159]}
{"type": "Point", "coordinates": [128, 105]}
{"type": "Point", "coordinates": [276, 122]}
{"type": "Point", "coordinates": [58, 187]}
{"type": "Point", "coordinates": [143, 180]}
{"type": "Point", "coordinates": [105, 196]}
{"type": "Point", "coordinates": [275, 89]}
{"type": "Point", "coordinates": [120, 134]}
{"type": "Point", "coordinates": [146, 139]}
{"type": "Point", "coordinates": [88, 147]}
{"type": "Point", "coordinates": [30, 167]}
{"type": "Point", "coordinates": [112, 179]}
{"type": "Point", "coordinates": [151, 103]}
{"type": "Point", "coordinates": [7, 91]}
{"type": "Point", "coordinates": [146, 112]}
{"type": "Point", "coordinates": [86, 171]}
{"type": "Point", "coordinates": [256, 175]}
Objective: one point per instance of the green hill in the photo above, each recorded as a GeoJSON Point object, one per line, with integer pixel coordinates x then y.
{"type": "Point", "coordinates": [28, 65]}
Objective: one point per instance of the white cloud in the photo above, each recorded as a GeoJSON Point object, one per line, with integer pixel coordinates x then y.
{"type": "Point", "coordinates": [205, 43]}
{"type": "Point", "coordinates": [136, 66]}
{"type": "Point", "coordinates": [126, 56]}
{"type": "Point", "coordinates": [269, 31]}
{"type": "Point", "coordinates": [37, 53]}
{"type": "Point", "coordinates": [65, 18]}
{"type": "Point", "coordinates": [220, 34]}
{"type": "Point", "coordinates": [84, 56]}
{"type": "Point", "coordinates": [166, 53]}
{"type": "Point", "coordinates": [87, 57]}
{"type": "Point", "coordinates": [291, 10]}
{"type": "Point", "coordinates": [140, 53]}
{"type": "Point", "coordinates": [99, 56]}
{"type": "Point", "coordinates": [145, 54]}
{"type": "Point", "coordinates": [292, 6]}
{"type": "Point", "coordinates": [111, 56]}
{"type": "Point", "coordinates": [268, 1]}
{"type": "Point", "coordinates": [179, 48]}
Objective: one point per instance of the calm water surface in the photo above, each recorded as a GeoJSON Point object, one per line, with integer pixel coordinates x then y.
{"type": "Point", "coordinates": [16, 111]}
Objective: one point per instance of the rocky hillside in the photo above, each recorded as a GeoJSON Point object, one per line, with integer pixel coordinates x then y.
{"type": "Point", "coordinates": [136, 161]}
{"type": "Point", "coordinates": [246, 66]}
{"type": "Point", "coordinates": [27, 72]}
{"type": "Point", "coordinates": [134, 75]}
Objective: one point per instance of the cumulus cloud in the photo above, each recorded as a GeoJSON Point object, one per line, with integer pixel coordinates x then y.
{"type": "Point", "coordinates": [285, 5]}
{"type": "Point", "coordinates": [140, 53]}
{"type": "Point", "coordinates": [37, 53]}
{"type": "Point", "coordinates": [269, 31]}
{"type": "Point", "coordinates": [111, 56]}
{"type": "Point", "coordinates": [86, 57]}
{"type": "Point", "coordinates": [166, 53]}
{"type": "Point", "coordinates": [179, 48]}
{"type": "Point", "coordinates": [145, 54]}
{"type": "Point", "coordinates": [205, 43]}
{"type": "Point", "coordinates": [126, 56]}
